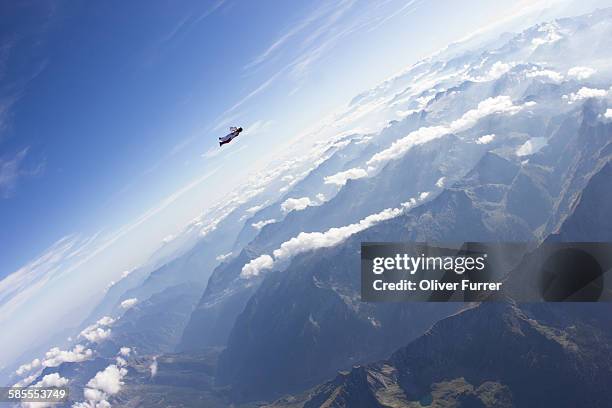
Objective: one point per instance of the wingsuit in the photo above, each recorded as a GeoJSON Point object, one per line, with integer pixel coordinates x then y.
{"type": "Point", "coordinates": [234, 132]}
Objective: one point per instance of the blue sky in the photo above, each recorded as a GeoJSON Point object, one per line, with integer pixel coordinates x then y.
{"type": "Point", "coordinates": [110, 111]}
{"type": "Point", "coordinates": [108, 105]}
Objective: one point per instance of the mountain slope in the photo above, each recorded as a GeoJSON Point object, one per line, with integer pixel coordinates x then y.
{"type": "Point", "coordinates": [514, 360]}
{"type": "Point", "coordinates": [287, 335]}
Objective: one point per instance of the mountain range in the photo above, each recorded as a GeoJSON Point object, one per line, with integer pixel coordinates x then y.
{"type": "Point", "coordinates": [509, 141]}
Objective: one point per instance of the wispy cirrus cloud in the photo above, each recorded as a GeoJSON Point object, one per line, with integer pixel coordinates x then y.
{"type": "Point", "coordinates": [312, 37]}
{"type": "Point", "coordinates": [13, 169]}
{"type": "Point", "coordinates": [317, 19]}
{"type": "Point", "coordinates": [178, 31]}
{"type": "Point", "coordinates": [18, 287]}
{"type": "Point", "coordinates": [12, 89]}
{"type": "Point", "coordinates": [306, 42]}
{"type": "Point", "coordinates": [327, 23]}
{"type": "Point", "coordinates": [407, 8]}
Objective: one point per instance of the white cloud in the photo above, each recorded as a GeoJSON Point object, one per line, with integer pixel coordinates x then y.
{"type": "Point", "coordinates": [260, 224]}
{"type": "Point", "coordinates": [254, 209]}
{"type": "Point", "coordinates": [295, 204]}
{"type": "Point", "coordinates": [486, 139]}
{"type": "Point", "coordinates": [27, 380]}
{"type": "Point", "coordinates": [497, 105]}
{"type": "Point", "coordinates": [253, 267]}
{"type": "Point", "coordinates": [50, 380]}
{"type": "Point", "coordinates": [55, 356]}
{"type": "Point", "coordinates": [401, 114]}
{"type": "Point", "coordinates": [306, 241]}
{"type": "Point", "coordinates": [97, 400]}
{"type": "Point", "coordinates": [545, 73]}
{"type": "Point", "coordinates": [440, 182]}
{"type": "Point", "coordinates": [551, 34]}
{"type": "Point", "coordinates": [498, 69]}
{"type": "Point", "coordinates": [363, 140]}
{"type": "Point", "coordinates": [124, 275]}
{"type": "Point", "coordinates": [105, 321]}
{"type": "Point", "coordinates": [95, 335]}
{"type": "Point", "coordinates": [108, 380]}
{"type": "Point", "coordinates": [608, 114]}
{"type": "Point", "coordinates": [531, 146]}
{"type": "Point", "coordinates": [223, 257]}
{"type": "Point", "coordinates": [342, 177]}
{"type": "Point", "coordinates": [128, 303]}
{"type": "Point", "coordinates": [585, 93]}
{"type": "Point", "coordinates": [581, 73]}
{"type": "Point", "coordinates": [321, 197]}
{"type": "Point", "coordinates": [414, 201]}
{"type": "Point", "coordinates": [424, 195]}
{"type": "Point", "coordinates": [424, 100]}
{"type": "Point", "coordinates": [293, 180]}
{"type": "Point", "coordinates": [123, 352]}
{"type": "Point", "coordinates": [153, 367]}
{"type": "Point", "coordinates": [105, 383]}
{"type": "Point", "coordinates": [96, 332]}
{"type": "Point", "coordinates": [210, 227]}
{"type": "Point", "coordinates": [25, 368]}
{"type": "Point", "coordinates": [401, 146]}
